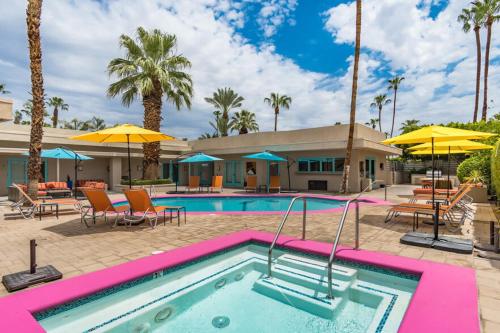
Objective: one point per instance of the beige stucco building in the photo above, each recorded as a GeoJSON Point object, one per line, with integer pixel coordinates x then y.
{"type": "Point", "coordinates": [315, 157]}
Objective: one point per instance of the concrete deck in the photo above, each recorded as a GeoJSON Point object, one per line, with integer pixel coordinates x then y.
{"type": "Point", "coordinates": [74, 249]}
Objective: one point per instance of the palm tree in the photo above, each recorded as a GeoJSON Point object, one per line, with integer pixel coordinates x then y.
{"type": "Point", "coordinates": [77, 125]}
{"type": "Point", "coordinates": [488, 12]}
{"type": "Point", "coordinates": [344, 188]}
{"type": "Point", "coordinates": [207, 135]}
{"type": "Point", "coordinates": [151, 69]}
{"type": "Point", "coordinates": [409, 125]}
{"type": "Point", "coordinates": [217, 115]}
{"type": "Point", "coordinates": [18, 117]}
{"type": "Point", "coordinates": [276, 102]}
{"type": "Point", "coordinates": [3, 91]}
{"type": "Point", "coordinates": [243, 122]}
{"type": "Point", "coordinates": [378, 102]}
{"type": "Point", "coordinates": [394, 85]}
{"type": "Point", "coordinates": [33, 17]}
{"type": "Point", "coordinates": [96, 124]}
{"type": "Point", "coordinates": [58, 104]}
{"type": "Point", "coordinates": [224, 100]}
{"type": "Point", "coordinates": [373, 123]}
{"type": "Point", "coordinates": [469, 18]}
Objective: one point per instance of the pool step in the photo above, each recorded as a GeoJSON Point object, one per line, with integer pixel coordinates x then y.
{"type": "Point", "coordinates": [298, 296]}
{"type": "Point", "coordinates": [315, 266]}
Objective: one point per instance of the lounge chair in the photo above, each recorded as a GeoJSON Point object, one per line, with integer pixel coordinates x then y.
{"type": "Point", "coordinates": [216, 183]}
{"type": "Point", "coordinates": [140, 202]}
{"type": "Point", "coordinates": [446, 212]}
{"type": "Point", "coordinates": [275, 183]}
{"type": "Point", "coordinates": [28, 207]}
{"type": "Point", "coordinates": [251, 184]}
{"type": "Point", "coordinates": [194, 183]}
{"type": "Point", "coordinates": [101, 204]}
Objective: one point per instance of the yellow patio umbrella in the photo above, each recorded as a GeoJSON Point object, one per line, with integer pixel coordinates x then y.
{"type": "Point", "coordinates": [435, 134]}
{"type": "Point", "coordinates": [453, 145]}
{"type": "Point", "coordinates": [124, 133]}
{"type": "Point", "coordinates": [439, 152]}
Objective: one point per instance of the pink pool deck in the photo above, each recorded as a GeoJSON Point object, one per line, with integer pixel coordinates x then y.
{"type": "Point", "coordinates": [445, 300]}
{"type": "Point", "coordinates": [362, 201]}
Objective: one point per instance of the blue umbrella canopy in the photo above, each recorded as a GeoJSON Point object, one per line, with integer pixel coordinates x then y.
{"type": "Point", "coordinates": [199, 158]}
{"type": "Point", "coordinates": [265, 155]}
{"type": "Point", "coordinates": [62, 154]}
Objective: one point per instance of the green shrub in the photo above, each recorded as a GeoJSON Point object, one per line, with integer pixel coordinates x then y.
{"type": "Point", "coordinates": [140, 182]}
{"type": "Point", "coordinates": [495, 168]}
{"type": "Point", "coordinates": [474, 164]}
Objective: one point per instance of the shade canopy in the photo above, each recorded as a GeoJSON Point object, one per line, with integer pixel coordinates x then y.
{"type": "Point", "coordinates": [454, 145]}
{"type": "Point", "coordinates": [265, 155]}
{"type": "Point", "coordinates": [123, 133]}
{"type": "Point", "coordinates": [438, 133]}
{"type": "Point", "coordinates": [439, 152]}
{"type": "Point", "coordinates": [200, 158]}
{"type": "Point", "coordinates": [62, 154]}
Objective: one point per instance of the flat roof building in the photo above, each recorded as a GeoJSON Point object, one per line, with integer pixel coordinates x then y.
{"type": "Point", "coordinates": [315, 158]}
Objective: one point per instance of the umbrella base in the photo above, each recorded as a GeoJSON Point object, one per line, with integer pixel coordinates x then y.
{"type": "Point", "coordinates": [24, 279]}
{"type": "Point", "coordinates": [443, 243]}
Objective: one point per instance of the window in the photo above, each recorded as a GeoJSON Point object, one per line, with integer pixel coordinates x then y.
{"type": "Point", "coordinates": [339, 164]}
{"type": "Point", "coordinates": [303, 166]}
{"type": "Point", "coordinates": [321, 164]}
{"type": "Point", "coordinates": [314, 166]}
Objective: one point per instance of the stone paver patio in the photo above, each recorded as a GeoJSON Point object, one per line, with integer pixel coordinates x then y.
{"type": "Point", "coordinates": [74, 249]}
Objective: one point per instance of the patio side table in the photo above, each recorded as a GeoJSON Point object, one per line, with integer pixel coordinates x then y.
{"type": "Point", "coordinates": [52, 205]}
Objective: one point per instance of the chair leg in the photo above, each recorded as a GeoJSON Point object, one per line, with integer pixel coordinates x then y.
{"type": "Point", "coordinates": [389, 216]}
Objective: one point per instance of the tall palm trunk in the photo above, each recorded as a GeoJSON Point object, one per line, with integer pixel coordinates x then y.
{"type": "Point", "coordinates": [486, 67]}
{"type": "Point", "coordinates": [345, 179]}
{"type": "Point", "coordinates": [394, 109]}
{"type": "Point", "coordinates": [380, 118]}
{"type": "Point", "coordinates": [225, 118]}
{"type": "Point", "coordinates": [276, 113]}
{"type": "Point", "coordinates": [478, 71]}
{"type": "Point", "coordinates": [33, 18]}
{"type": "Point", "coordinates": [55, 117]}
{"type": "Point", "coordinates": [152, 120]}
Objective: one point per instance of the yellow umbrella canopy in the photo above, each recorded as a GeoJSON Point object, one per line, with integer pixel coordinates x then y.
{"type": "Point", "coordinates": [125, 133]}
{"type": "Point", "coordinates": [437, 134]}
{"type": "Point", "coordinates": [453, 145]}
{"type": "Point", "coordinates": [439, 152]}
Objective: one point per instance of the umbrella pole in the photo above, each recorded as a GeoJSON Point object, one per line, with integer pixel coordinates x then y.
{"type": "Point", "coordinates": [129, 168]}
{"type": "Point", "coordinates": [57, 169]}
{"type": "Point", "coordinates": [76, 175]}
{"type": "Point", "coordinates": [436, 213]}
{"type": "Point", "coordinates": [448, 184]}
{"type": "Point", "coordinates": [288, 170]}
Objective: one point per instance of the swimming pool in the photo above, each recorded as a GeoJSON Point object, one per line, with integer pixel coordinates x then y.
{"type": "Point", "coordinates": [231, 291]}
{"type": "Point", "coordinates": [247, 203]}
{"type": "Point", "coordinates": [445, 299]}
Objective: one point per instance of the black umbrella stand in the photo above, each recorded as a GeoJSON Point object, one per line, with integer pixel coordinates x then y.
{"type": "Point", "coordinates": [443, 243]}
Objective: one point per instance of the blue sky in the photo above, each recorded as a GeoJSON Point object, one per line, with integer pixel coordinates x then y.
{"type": "Point", "coordinates": [296, 47]}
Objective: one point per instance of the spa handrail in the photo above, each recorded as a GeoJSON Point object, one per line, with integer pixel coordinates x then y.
{"type": "Point", "coordinates": [270, 253]}
{"type": "Point", "coordinates": [339, 232]}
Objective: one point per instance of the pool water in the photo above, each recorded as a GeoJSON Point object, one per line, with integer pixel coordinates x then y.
{"type": "Point", "coordinates": [230, 292]}
{"type": "Point", "coordinates": [245, 203]}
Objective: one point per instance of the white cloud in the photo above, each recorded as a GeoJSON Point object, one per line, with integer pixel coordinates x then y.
{"type": "Point", "coordinates": [79, 38]}
{"type": "Point", "coordinates": [436, 57]}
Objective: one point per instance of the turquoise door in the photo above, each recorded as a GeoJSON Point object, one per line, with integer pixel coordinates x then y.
{"type": "Point", "coordinates": [233, 173]}
{"type": "Point", "coordinates": [370, 168]}
{"type": "Point", "coordinates": [204, 170]}
{"type": "Point", "coordinates": [17, 170]}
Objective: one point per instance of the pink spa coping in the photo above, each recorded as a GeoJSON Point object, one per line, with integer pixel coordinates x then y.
{"type": "Point", "coordinates": [363, 201]}
{"type": "Point", "coordinates": [445, 300]}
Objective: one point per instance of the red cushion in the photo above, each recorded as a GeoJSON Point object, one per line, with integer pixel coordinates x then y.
{"type": "Point", "coordinates": [51, 185]}
{"type": "Point", "coordinates": [42, 186]}
{"type": "Point", "coordinates": [100, 186]}
{"type": "Point", "coordinates": [42, 193]}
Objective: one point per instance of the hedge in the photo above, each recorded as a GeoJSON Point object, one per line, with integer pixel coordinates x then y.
{"type": "Point", "coordinates": [495, 168]}
{"type": "Point", "coordinates": [480, 162]}
{"type": "Point", "coordinates": [139, 182]}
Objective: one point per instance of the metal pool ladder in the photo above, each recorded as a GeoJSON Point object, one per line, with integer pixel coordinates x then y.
{"type": "Point", "coordinates": [337, 237]}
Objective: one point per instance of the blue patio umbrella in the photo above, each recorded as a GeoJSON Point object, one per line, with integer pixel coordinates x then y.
{"type": "Point", "coordinates": [266, 156]}
{"type": "Point", "coordinates": [200, 158]}
{"type": "Point", "coordinates": [63, 154]}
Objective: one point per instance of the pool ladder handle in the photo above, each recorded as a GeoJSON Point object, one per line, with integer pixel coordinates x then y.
{"type": "Point", "coordinates": [339, 232]}
{"type": "Point", "coordinates": [285, 217]}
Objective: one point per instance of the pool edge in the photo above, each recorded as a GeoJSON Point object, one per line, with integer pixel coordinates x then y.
{"type": "Point", "coordinates": [442, 286]}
